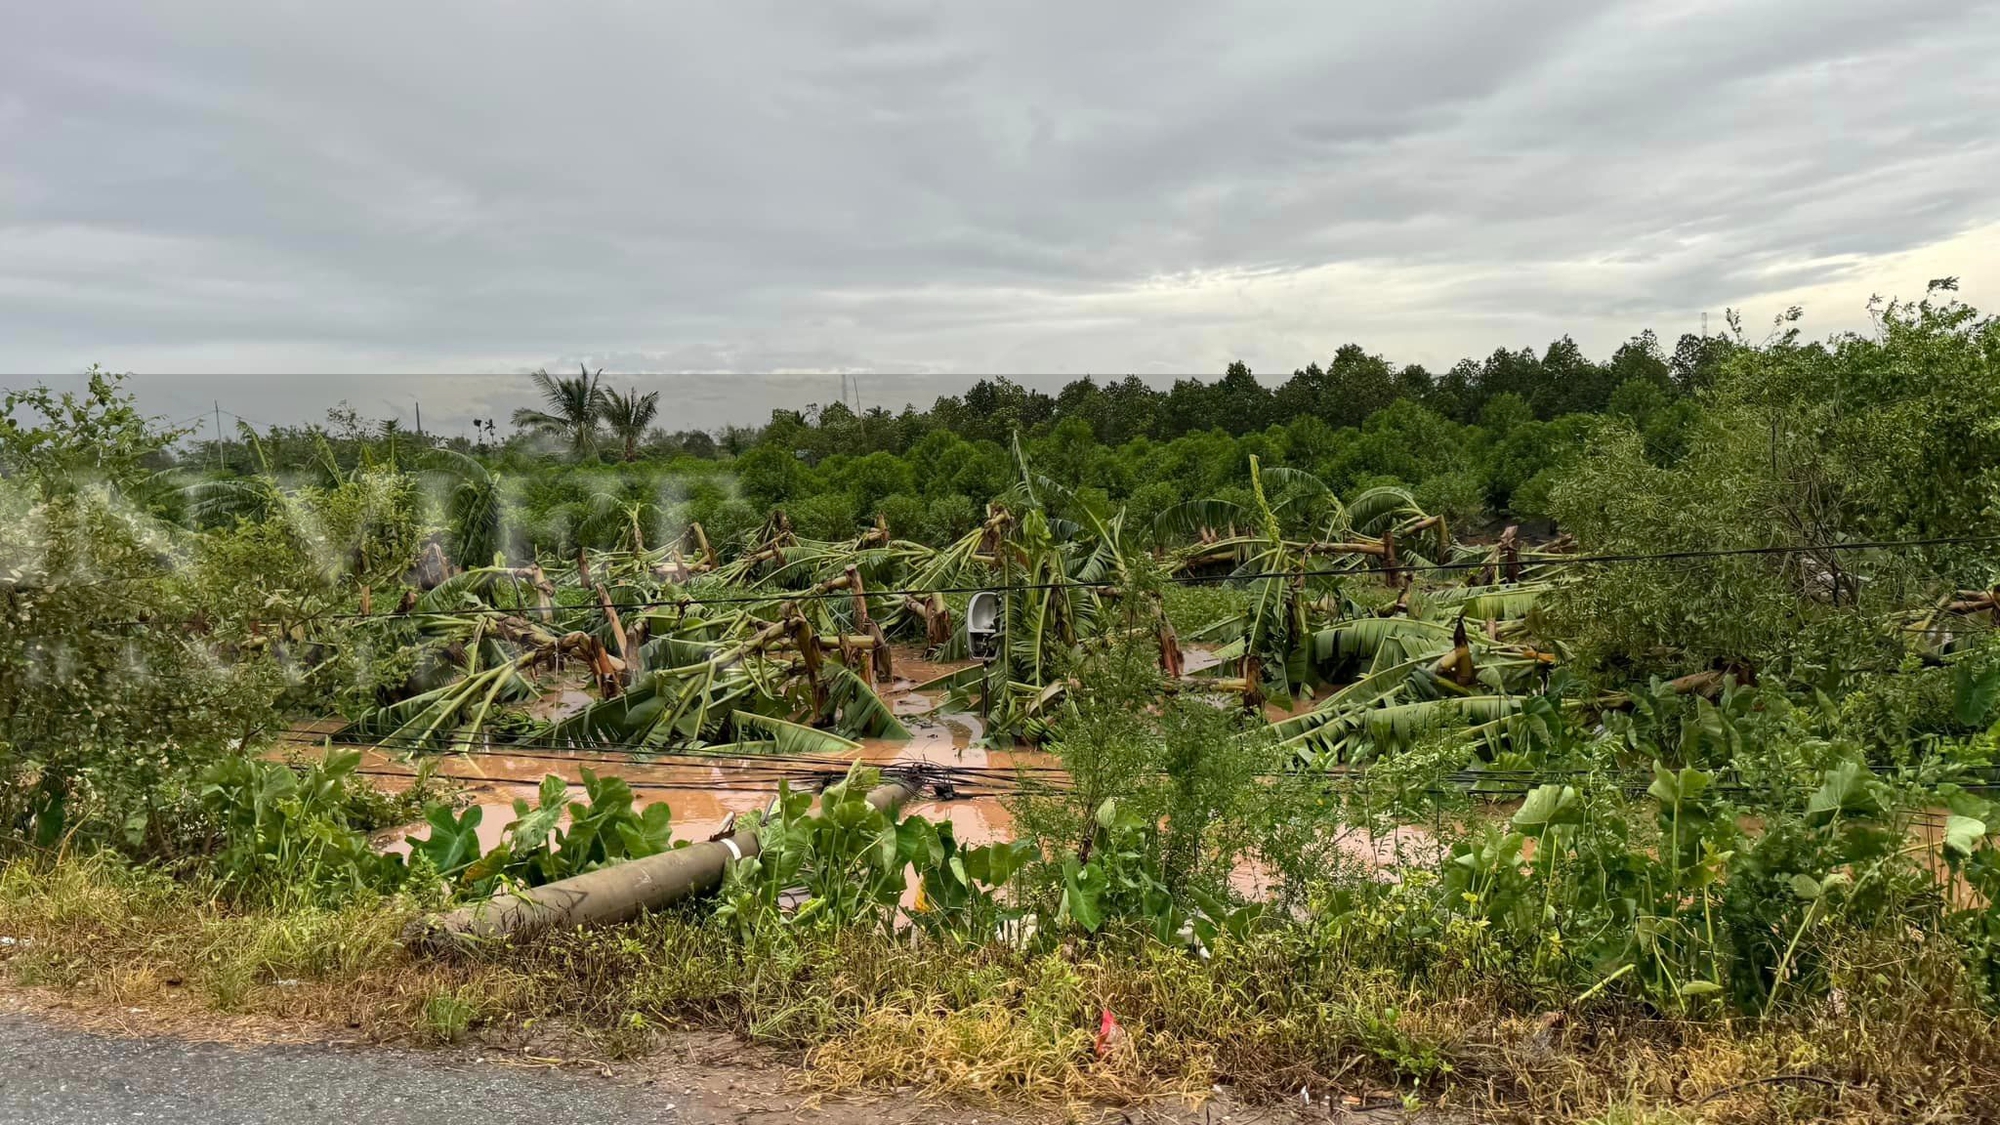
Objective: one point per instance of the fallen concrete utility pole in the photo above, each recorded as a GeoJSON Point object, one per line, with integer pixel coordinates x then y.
{"type": "Point", "coordinates": [607, 895]}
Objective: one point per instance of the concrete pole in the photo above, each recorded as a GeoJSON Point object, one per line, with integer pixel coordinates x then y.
{"type": "Point", "coordinates": [608, 895]}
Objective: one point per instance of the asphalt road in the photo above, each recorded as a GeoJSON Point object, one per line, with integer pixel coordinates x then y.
{"type": "Point", "coordinates": [55, 1076]}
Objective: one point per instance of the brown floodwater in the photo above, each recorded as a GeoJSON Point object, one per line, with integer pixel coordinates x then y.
{"type": "Point", "coordinates": [704, 794]}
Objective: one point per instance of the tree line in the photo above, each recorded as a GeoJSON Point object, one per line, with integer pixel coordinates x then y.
{"type": "Point", "coordinates": [1482, 439]}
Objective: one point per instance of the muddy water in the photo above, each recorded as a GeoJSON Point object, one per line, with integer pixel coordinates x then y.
{"type": "Point", "coordinates": [705, 794]}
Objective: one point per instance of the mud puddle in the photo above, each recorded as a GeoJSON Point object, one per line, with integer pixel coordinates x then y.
{"type": "Point", "coordinates": [704, 792]}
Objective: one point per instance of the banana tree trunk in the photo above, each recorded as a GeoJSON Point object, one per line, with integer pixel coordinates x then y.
{"type": "Point", "coordinates": [606, 896]}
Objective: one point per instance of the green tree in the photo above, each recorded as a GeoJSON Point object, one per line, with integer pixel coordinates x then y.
{"type": "Point", "coordinates": [628, 415]}
{"type": "Point", "coordinates": [1640, 358]}
{"type": "Point", "coordinates": [98, 435]}
{"type": "Point", "coordinates": [574, 407]}
{"type": "Point", "coordinates": [871, 478]}
{"type": "Point", "coordinates": [111, 686]}
{"type": "Point", "coordinates": [1240, 401]}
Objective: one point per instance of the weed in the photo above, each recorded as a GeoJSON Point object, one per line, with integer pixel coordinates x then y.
{"type": "Point", "coordinates": [1346, 1004]}
{"type": "Point", "coordinates": [447, 1017]}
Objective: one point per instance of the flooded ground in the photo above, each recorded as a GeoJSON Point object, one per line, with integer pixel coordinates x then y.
{"type": "Point", "coordinates": [705, 792]}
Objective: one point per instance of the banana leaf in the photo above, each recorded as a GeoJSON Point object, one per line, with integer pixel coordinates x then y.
{"type": "Point", "coordinates": [786, 737]}
{"type": "Point", "coordinates": [859, 712]}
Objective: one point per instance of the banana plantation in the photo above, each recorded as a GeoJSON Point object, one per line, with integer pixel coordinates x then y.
{"type": "Point", "coordinates": [1425, 754]}
{"type": "Point", "coordinates": [1353, 626]}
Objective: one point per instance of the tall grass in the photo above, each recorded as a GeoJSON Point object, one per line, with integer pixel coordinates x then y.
{"type": "Point", "coordinates": [1898, 1038]}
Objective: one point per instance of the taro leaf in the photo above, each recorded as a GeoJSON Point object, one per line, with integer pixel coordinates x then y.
{"type": "Point", "coordinates": [1962, 834]}
{"type": "Point", "coordinates": [1973, 694]}
{"type": "Point", "coordinates": [1083, 892]}
{"type": "Point", "coordinates": [489, 865]}
{"type": "Point", "coordinates": [1240, 921]}
{"type": "Point", "coordinates": [1677, 787]}
{"type": "Point", "coordinates": [850, 811]}
{"type": "Point", "coordinates": [994, 864]}
{"type": "Point", "coordinates": [532, 825]}
{"type": "Point", "coordinates": [1218, 917]}
{"type": "Point", "coordinates": [793, 803]}
{"type": "Point", "coordinates": [453, 842]}
{"type": "Point", "coordinates": [339, 763]}
{"type": "Point", "coordinates": [1107, 813]}
{"type": "Point", "coordinates": [920, 842]}
{"type": "Point", "coordinates": [1954, 797]}
{"type": "Point", "coordinates": [1845, 789]}
{"type": "Point", "coordinates": [1547, 806]}
{"type": "Point", "coordinates": [650, 832]}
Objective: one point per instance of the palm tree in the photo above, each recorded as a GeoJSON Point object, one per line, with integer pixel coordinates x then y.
{"type": "Point", "coordinates": [574, 407]}
{"type": "Point", "coordinates": [628, 415]}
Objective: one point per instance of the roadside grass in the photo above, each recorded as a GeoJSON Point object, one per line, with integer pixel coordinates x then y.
{"type": "Point", "coordinates": [1268, 1017]}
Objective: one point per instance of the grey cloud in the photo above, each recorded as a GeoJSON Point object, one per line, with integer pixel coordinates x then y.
{"type": "Point", "coordinates": [912, 187]}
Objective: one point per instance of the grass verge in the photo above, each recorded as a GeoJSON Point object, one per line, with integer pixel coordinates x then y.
{"type": "Point", "coordinates": [1269, 1017]}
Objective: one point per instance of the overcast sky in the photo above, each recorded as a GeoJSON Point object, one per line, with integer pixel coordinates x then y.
{"type": "Point", "coordinates": [292, 191]}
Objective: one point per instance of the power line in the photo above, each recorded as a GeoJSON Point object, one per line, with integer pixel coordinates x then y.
{"type": "Point", "coordinates": [687, 599]}
{"type": "Point", "coordinates": [1504, 782]}
{"type": "Point", "coordinates": [1465, 784]}
{"type": "Point", "coordinates": [682, 758]}
{"type": "Point", "coordinates": [659, 785]}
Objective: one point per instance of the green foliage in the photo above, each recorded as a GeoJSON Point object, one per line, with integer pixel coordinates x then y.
{"type": "Point", "coordinates": [575, 407]}
{"type": "Point", "coordinates": [628, 415]}
{"type": "Point", "coordinates": [99, 723]}
{"type": "Point", "coordinates": [1865, 439]}
{"type": "Point", "coordinates": [849, 864]}
{"type": "Point", "coordinates": [552, 838]}
{"type": "Point", "coordinates": [288, 832]}
{"type": "Point", "coordinates": [1459, 497]}
{"type": "Point", "coordinates": [97, 436]}
{"type": "Point", "coordinates": [1192, 772]}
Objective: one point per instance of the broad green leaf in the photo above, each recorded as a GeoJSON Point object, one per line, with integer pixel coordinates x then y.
{"type": "Point", "coordinates": [1671, 787]}
{"type": "Point", "coordinates": [1963, 833]}
{"type": "Point", "coordinates": [1974, 694]}
{"type": "Point", "coordinates": [1083, 887]}
{"type": "Point", "coordinates": [1547, 805]}
{"type": "Point", "coordinates": [1107, 813]}
{"type": "Point", "coordinates": [1844, 789]}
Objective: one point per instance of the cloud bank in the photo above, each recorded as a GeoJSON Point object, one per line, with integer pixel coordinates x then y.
{"type": "Point", "coordinates": [911, 188]}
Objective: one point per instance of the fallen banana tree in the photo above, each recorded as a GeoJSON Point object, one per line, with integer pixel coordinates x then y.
{"type": "Point", "coordinates": [738, 679]}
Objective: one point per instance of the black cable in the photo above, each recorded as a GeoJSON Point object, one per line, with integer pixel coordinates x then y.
{"type": "Point", "coordinates": [666, 786]}
{"type": "Point", "coordinates": [1186, 579]}
{"type": "Point", "coordinates": [561, 752]}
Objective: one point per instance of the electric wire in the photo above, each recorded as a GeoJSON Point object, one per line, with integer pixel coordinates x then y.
{"type": "Point", "coordinates": [1415, 568]}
